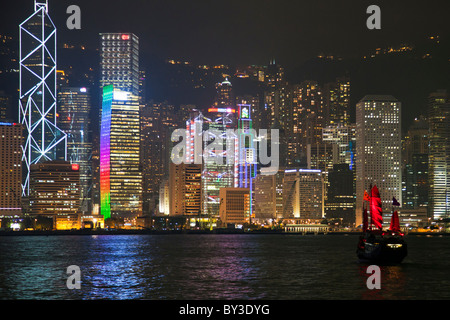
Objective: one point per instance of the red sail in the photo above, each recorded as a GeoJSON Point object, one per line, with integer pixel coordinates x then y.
{"type": "Point", "coordinates": [376, 212]}
{"type": "Point", "coordinates": [365, 220]}
{"type": "Point", "coordinates": [395, 222]}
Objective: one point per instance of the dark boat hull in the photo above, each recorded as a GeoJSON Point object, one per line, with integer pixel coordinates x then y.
{"type": "Point", "coordinates": [384, 251]}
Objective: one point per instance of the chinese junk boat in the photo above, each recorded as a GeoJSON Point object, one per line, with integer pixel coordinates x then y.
{"type": "Point", "coordinates": [376, 245]}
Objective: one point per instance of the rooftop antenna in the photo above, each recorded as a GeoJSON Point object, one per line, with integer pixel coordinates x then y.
{"type": "Point", "coordinates": [39, 4]}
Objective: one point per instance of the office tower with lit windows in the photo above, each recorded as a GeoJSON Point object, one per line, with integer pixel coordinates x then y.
{"type": "Point", "coordinates": [235, 206]}
{"type": "Point", "coordinates": [303, 194]}
{"type": "Point", "coordinates": [55, 193]}
{"type": "Point", "coordinates": [276, 97]}
{"type": "Point", "coordinates": [185, 189]}
{"type": "Point", "coordinates": [157, 121]}
{"type": "Point", "coordinates": [44, 141]}
{"type": "Point", "coordinates": [224, 94]}
{"type": "Point", "coordinates": [119, 64]}
{"type": "Point", "coordinates": [439, 155]}
{"type": "Point", "coordinates": [120, 172]}
{"type": "Point", "coordinates": [305, 123]}
{"type": "Point", "coordinates": [5, 102]}
{"type": "Point", "coordinates": [142, 87]}
{"type": "Point", "coordinates": [415, 164]}
{"type": "Point", "coordinates": [342, 139]}
{"type": "Point", "coordinates": [337, 102]}
{"type": "Point", "coordinates": [255, 108]}
{"type": "Point", "coordinates": [74, 106]}
{"type": "Point", "coordinates": [269, 196]}
{"type": "Point", "coordinates": [11, 139]}
{"type": "Point", "coordinates": [378, 150]}
{"type": "Point", "coordinates": [340, 202]}
{"type": "Point", "coordinates": [274, 74]}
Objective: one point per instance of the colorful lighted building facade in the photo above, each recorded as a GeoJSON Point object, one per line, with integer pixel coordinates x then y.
{"type": "Point", "coordinates": [105, 153]}
{"type": "Point", "coordinates": [120, 174]}
{"type": "Point", "coordinates": [247, 156]}
{"type": "Point", "coordinates": [211, 140]}
{"type": "Point", "coordinates": [220, 165]}
{"type": "Point", "coordinates": [44, 141]}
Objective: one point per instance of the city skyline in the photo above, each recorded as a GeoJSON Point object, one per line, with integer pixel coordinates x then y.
{"type": "Point", "coordinates": [224, 150]}
{"type": "Point", "coordinates": [313, 116]}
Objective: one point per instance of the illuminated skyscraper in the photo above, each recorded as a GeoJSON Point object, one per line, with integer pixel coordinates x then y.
{"type": "Point", "coordinates": [74, 119]}
{"type": "Point", "coordinates": [303, 194]}
{"type": "Point", "coordinates": [119, 64]}
{"type": "Point", "coordinates": [337, 102]}
{"type": "Point", "coordinates": [340, 191]}
{"type": "Point", "coordinates": [246, 152]}
{"type": "Point", "coordinates": [55, 193]}
{"type": "Point", "coordinates": [11, 140]}
{"type": "Point", "coordinates": [234, 205]}
{"type": "Point", "coordinates": [269, 196]}
{"type": "Point", "coordinates": [220, 165]}
{"type": "Point", "coordinates": [415, 164]}
{"type": "Point", "coordinates": [120, 173]}
{"type": "Point", "coordinates": [342, 140]}
{"type": "Point", "coordinates": [44, 141]}
{"type": "Point", "coordinates": [305, 123]}
{"type": "Point", "coordinates": [194, 137]}
{"type": "Point", "coordinates": [378, 150]}
{"type": "Point", "coordinates": [224, 95]}
{"type": "Point", "coordinates": [185, 189]}
{"type": "Point", "coordinates": [157, 119]}
{"type": "Point", "coordinates": [255, 109]}
{"type": "Point", "coordinates": [439, 155]}
{"type": "Point", "coordinates": [120, 170]}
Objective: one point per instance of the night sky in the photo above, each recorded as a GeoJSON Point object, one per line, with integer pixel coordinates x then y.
{"type": "Point", "coordinates": [243, 31]}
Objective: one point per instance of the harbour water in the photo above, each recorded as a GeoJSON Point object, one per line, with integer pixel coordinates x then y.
{"type": "Point", "coordinates": [216, 266]}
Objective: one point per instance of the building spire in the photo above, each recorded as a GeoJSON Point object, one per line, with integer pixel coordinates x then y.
{"type": "Point", "coordinates": [39, 4]}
